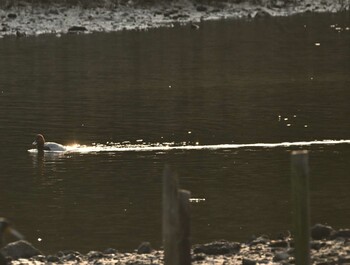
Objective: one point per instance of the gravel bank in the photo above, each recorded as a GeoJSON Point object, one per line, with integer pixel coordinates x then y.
{"type": "Point", "coordinates": [328, 246]}
{"type": "Point", "coordinates": [34, 19]}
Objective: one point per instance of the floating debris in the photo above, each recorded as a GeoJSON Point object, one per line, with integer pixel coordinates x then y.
{"type": "Point", "coordinates": [197, 200]}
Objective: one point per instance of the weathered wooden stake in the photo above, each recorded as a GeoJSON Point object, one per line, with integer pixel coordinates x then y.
{"type": "Point", "coordinates": [300, 201]}
{"type": "Point", "coordinates": [170, 217]}
{"type": "Point", "coordinates": [176, 221]}
{"type": "Point", "coordinates": [184, 228]}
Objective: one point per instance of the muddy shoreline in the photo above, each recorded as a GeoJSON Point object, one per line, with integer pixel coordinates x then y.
{"type": "Point", "coordinates": [328, 246]}
{"type": "Point", "coordinates": [26, 19]}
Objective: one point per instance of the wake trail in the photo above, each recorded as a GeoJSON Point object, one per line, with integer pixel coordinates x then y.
{"type": "Point", "coordinates": [169, 147]}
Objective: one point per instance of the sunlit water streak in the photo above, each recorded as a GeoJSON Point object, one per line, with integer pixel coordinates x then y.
{"type": "Point", "coordinates": [117, 147]}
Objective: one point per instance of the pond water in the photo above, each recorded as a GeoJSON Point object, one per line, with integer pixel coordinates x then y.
{"type": "Point", "coordinates": [230, 82]}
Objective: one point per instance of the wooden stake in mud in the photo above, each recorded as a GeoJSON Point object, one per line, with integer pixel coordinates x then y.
{"type": "Point", "coordinates": [170, 217]}
{"type": "Point", "coordinates": [184, 232]}
{"type": "Point", "coordinates": [300, 201]}
{"type": "Point", "coordinates": [176, 221]}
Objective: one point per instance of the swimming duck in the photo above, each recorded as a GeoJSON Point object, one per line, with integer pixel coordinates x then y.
{"type": "Point", "coordinates": [41, 145]}
{"type": "Point", "coordinates": [5, 228]}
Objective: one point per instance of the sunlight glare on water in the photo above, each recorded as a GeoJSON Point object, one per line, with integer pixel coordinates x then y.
{"type": "Point", "coordinates": [127, 147]}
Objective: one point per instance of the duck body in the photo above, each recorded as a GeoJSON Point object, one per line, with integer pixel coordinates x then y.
{"type": "Point", "coordinates": [42, 146]}
{"type": "Point", "coordinates": [55, 147]}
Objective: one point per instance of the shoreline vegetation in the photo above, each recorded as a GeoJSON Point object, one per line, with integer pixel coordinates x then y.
{"type": "Point", "coordinates": [37, 17]}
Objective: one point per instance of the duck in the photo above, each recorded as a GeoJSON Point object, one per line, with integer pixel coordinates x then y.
{"type": "Point", "coordinates": [7, 228]}
{"type": "Point", "coordinates": [42, 146]}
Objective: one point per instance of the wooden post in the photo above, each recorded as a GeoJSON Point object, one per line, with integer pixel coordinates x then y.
{"type": "Point", "coordinates": [300, 201]}
{"type": "Point", "coordinates": [170, 217]}
{"type": "Point", "coordinates": [184, 228]}
{"type": "Point", "coordinates": [176, 221]}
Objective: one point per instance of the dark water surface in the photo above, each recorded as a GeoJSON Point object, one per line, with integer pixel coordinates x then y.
{"type": "Point", "coordinates": [273, 80]}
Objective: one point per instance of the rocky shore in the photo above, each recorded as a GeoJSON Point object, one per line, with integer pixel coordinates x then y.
{"type": "Point", "coordinates": [328, 246]}
{"type": "Point", "coordinates": [27, 19]}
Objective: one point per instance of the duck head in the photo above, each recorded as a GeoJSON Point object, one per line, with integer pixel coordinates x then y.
{"type": "Point", "coordinates": [39, 142]}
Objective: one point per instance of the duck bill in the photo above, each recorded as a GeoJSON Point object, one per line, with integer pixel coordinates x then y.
{"type": "Point", "coordinates": [34, 143]}
{"type": "Point", "coordinates": [15, 233]}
